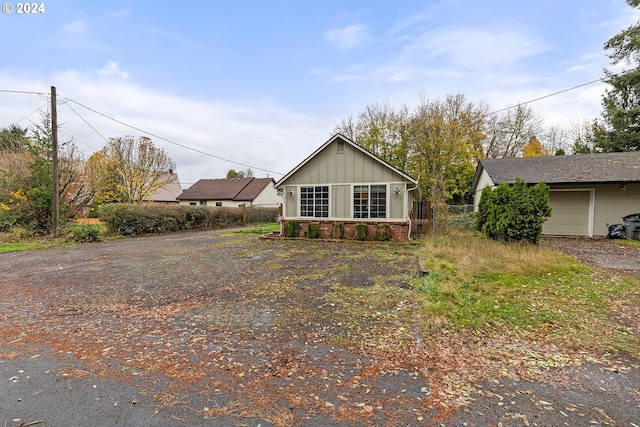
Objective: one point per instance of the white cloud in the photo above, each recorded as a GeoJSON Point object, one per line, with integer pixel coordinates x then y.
{"type": "Point", "coordinates": [349, 37]}
{"type": "Point", "coordinates": [480, 47]}
{"type": "Point", "coordinates": [112, 69]}
{"type": "Point", "coordinates": [75, 27]}
{"type": "Point", "coordinates": [263, 135]}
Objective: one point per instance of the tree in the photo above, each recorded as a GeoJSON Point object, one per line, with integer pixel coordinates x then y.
{"type": "Point", "coordinates": [381, 130]}
{"type": "Point", "coordinates": [534, 148]}
{"type": "Point", "coordinates": [247, 173]}
{"type": "Point", "coordinates": [13, 138]}
{"type": "Point", "coordinates": [444, 143]}
{"type": "Point", "coordinates": [582, 137]}
{"type": "Point", "coordinates": [555, 139]}
{"type": "Point", "coordinates": [26, 181]}
{"type": "Point", "coordinates": [507, 134]}
{"type": "Point", "coordinates": [438, 142]}
{"type": "Point", "coordinates": [128, 170]}
{"type": "Point", "coordinates": [619, 129]}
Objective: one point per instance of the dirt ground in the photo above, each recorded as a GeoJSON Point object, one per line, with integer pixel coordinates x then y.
{"type": "Point", "coordinates": [221, 329]}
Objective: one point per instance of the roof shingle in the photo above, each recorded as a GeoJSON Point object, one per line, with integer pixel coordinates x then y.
{"type": "Point", "coordinates": [583, 168]}
{"type": "Point", "coordinates": [240, 189]}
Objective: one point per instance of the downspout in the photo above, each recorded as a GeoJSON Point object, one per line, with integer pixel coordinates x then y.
{"type": "Point", "coordinates": [410, 225]}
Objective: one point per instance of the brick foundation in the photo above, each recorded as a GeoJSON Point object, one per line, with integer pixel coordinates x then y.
{"type": "Point", "coordinates": [399, 230]}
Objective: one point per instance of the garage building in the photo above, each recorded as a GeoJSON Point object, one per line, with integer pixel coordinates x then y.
{"type": "Point", "coordinates": [588, 192]}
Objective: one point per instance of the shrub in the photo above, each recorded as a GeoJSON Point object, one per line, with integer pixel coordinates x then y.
{"type": "Point", "coordinates": [362, 231]}
{"type": "Point", "coordinates": [383, 232]}
{"type": "Point", "coordinates": [514, 213]}
{"type": "Point", "coordinates": [337, 230]}
{"type": "Point", "coordinates": [130, 219]}
{"type": "Point", "coordinates": [20, 233]}
{"type": "Point", "coordinates": [313, 230]}
{"type": "Point", "coordinates": [291, 228]}
{"type": "Point", "coordinates": [84, 233]}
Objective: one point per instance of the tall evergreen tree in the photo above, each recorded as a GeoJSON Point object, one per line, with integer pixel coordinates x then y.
{"type": "Point", "coordinates": [620, 128]}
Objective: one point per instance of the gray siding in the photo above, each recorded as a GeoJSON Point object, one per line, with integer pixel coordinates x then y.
{"type": "Point", "coordinates": [340, 201]}
{"type": "Point", "coordinates": [351, 166]}
{"type": "Point", "coordinates": [291, 201]}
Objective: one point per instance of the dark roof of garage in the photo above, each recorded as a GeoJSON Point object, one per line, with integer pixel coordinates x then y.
{"type": "Point", "coordinates": [582, 168]}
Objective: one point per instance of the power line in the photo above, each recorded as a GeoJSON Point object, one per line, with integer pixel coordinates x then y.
{"type": "Point", "coordinates": [170, 141]}
{"type": "Point", "coordinates": [23, 92]}
{"type": "Point", "coordinates": [552, 94]}
{"type": "Point", "coordinates": [83, 119]}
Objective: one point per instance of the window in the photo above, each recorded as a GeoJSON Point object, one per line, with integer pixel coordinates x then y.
{"type": "Point", "coordinates": [192, 203]}
{"type": "Point", "coordinates": [218, 203]}
{"type": "Point", "coordinates": [314, 201]}
{"type": "Point", "coordinates": [203, 203]}
{"type": "Point", "coordinates": [369, 201]}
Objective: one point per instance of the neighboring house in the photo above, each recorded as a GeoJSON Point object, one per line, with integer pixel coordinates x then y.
{"type": "Point", "coordinates": [167, 194]}
{"type": "Point", "coordinates": [343, 182]}
{"type": "Point", "coordinates": [588, 192]}
{"type": "Point", "coordinates": [232, 192]}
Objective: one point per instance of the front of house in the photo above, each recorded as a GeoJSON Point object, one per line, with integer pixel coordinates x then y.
{"type": "Point", "coordinates": [587, 192]}
{"type": "Point", "coordinates": [343, 183]}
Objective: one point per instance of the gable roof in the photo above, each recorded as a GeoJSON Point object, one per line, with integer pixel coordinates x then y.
{"type": "Point", "coordinates": [237, 189]}
{"type": "Point", "coordinates": [355, 146]}
{"type": "Point", "coordinates": [581, 168]}
{"type": "Point", "coordinates": [169, 192]}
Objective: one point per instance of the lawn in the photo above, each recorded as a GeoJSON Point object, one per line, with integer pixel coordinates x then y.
{"type": "Point", "coordinates": [476, 285]}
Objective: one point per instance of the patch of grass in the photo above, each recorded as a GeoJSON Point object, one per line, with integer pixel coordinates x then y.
{"type": "Point", "coordinates": [480, 284]}
{"type": "Point", "coordinates": [260, 229]}
{"type": "Point", "coordinates": [20, 246]}
{"type": "Point", "coordinates": [630, 242]}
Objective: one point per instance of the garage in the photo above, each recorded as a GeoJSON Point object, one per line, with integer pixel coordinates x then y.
{"type": "Point", "coordinates": [588, 192]}
{"type": "Point", "coordinates": [569, 213]}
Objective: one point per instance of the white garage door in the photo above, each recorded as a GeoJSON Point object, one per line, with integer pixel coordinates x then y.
{"type": "Point", "coordinates": [569, 215]}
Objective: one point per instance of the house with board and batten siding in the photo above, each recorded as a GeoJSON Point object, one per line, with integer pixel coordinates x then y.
{"type": "Point", "coordinates": [342, 182]}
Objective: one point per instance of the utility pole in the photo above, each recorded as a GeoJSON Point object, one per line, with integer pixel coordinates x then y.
{"type": "Point", "coordinates": [55, 208]}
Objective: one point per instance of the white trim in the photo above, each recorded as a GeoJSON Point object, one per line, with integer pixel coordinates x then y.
{"type": "Point", "coordinates": [298, 197]}
{"type": "Point", "coordinates": [352, 200]}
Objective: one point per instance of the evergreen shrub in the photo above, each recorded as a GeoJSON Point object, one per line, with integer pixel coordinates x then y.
{"type": "Point", "coordinates": [85, 233]}
{"type": "Point", "coordinates": [313, 230]}
{"type": "Point", "coordinates": [291, 228]}
{"type": "Point", "coordinates": [362, 231]}
{"type": "Point", "coordinates": [514, 213]}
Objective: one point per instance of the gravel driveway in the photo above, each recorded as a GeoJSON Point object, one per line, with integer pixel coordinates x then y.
{"type": "Point", "coordinates": [220, 329]}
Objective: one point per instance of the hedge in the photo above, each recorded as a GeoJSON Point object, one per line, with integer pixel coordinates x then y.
{"type": "Point", "coordinates": [132, 219]}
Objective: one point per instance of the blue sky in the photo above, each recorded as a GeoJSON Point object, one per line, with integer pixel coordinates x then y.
{"type": "Point", "coordinates": [263, 83]}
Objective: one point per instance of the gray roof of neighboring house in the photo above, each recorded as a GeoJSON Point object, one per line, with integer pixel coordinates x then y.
{"type": "Point", "coordinates": [169, 192]}
{"type": "Point", "coordinates": [582, 168]}
{"type": "Point", "coordinates": [240, 189]}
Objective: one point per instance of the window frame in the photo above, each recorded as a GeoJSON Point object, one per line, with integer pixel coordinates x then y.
{"type": "Point", "coordinates": [370, 201]}
{"type": "Point", "coordinates": [314, 201]}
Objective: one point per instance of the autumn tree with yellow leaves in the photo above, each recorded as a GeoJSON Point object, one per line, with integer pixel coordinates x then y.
{"type": "Point", "coordinates": [127, 170]}
{"type": "Point", "coordinates": [534, 148]}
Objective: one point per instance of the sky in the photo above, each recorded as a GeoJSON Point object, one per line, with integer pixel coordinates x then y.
{"type": "Point", "coordinates": [261, 84]}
